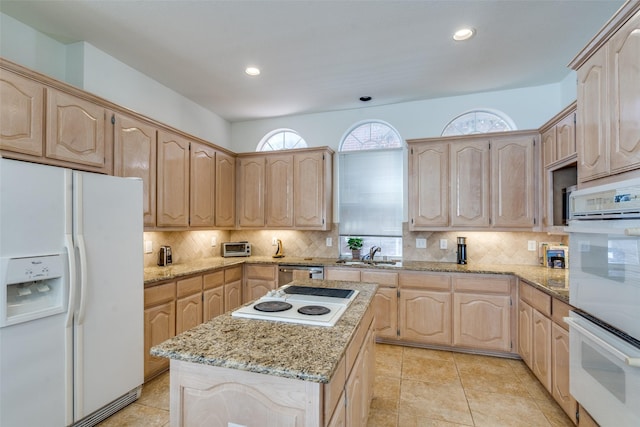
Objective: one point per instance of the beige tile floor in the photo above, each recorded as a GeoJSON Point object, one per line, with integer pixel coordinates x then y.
{"type": "Point", "coordinates": [416, 387]}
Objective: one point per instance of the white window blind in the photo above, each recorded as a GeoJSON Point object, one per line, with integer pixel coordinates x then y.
{"type": "Point", "coordinates": [371, 192]}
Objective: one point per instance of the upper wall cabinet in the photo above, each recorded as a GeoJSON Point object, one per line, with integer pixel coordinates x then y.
{"type": "Point", "coordinates": [608, 129]}
{"type": "Point", "coordinates": [285, 189]}
{"type": "Point", "coordinates": [134, 152]}
{"type": "Point", "coordinates": [76, 131]}
{"type": "Point", "coordinates": [559, 137]}
{"type": "Point", "coordinates": [225, 213]}
{"type": "Point", "coordinates": [21, 114]}
{"type": "Point", "coordinates": [202, 186]}
{"type": "Point", "coordinates": [173, 180]}
{"type": "Point", "coordinates": [479, 181]}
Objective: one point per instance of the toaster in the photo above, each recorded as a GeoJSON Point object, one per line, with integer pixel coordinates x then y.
{"type": "Point", "coordinates": [164, 258]}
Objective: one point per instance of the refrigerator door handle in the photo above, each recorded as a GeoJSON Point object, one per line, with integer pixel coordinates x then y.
{"type": "Point", "coordinates": [82, 309]}
{"type": "Point", "coordinates": [71, 261]}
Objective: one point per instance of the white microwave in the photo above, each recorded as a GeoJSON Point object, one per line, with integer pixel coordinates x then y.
{"type": "Point", "coordinates": [231, 249]}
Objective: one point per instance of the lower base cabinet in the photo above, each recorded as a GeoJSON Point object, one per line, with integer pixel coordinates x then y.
{"type": "Point", "coordinates": [258, 280]}
{"type": "Point", "coordinates": [159, 325]}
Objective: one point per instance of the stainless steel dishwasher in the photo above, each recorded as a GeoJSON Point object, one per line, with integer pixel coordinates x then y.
{"type": "Point", "coordinates": [288, 273]}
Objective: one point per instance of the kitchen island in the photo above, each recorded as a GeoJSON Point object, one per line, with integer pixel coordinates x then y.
{"type": "Point", "coordinates": [259, 373]}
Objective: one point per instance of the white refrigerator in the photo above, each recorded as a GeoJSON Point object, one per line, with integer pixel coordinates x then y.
{"type": "Point", "coordinates": [71, 295]}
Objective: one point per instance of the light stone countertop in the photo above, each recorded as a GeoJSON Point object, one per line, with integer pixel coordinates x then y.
{"type": "Point", "coordinates": [554, 282]}
{"type": "Point", "coordinates": [309, 353]}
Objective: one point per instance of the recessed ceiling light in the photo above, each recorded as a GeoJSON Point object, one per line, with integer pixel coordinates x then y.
{"type": "Point", "coordinates": [464, 34]}
{"type": "Point", "coordinates": [365, 98]}
{"type": "Point", "coordinates": [252, 71]}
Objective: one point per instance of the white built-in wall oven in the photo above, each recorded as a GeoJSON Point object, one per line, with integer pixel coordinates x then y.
{"type": "Point", "coordinates": [604, 287]}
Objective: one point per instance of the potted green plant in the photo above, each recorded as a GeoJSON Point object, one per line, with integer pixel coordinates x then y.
{"type": "Point", "coordinates": [355, 244]}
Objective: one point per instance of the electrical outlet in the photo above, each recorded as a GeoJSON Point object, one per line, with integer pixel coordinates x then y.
{"type": "Point", "coordinates": [274, 241]}
{"type": "Point", "coordinates": [214, 241]}
{"type": "Point", "coordinates": [443, 243]}
{"type": "Point", "coordinates": [329, 241]}
{"type": "Point", "coordinates": [421, 243]}
{"type": "Point", "coordinates": [148, 246]}
{"type": "Point", "coordinates": [532, 245]}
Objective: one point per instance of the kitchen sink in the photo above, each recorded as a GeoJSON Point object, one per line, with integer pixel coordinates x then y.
{"type": "Point", "coordinates": [372, 263]}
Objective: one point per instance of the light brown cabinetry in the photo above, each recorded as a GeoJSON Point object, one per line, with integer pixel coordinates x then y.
{"type": "Point", "coordinates": [76, 132]}
{"type": "Point", "coordinates": [279, 188]}
{"type": "Point", "coordinates": [173, 180]}
{"type": "Point", "coordinates": [189, 303]}
{"type": "Point", "coordinates": [490, 182]}
{"type": "Point", "coordinates": [482, 312]}
{"type": "Point", "coordinates": [544, 343]}
{"type": "Point", "coordinates": [225, 205]}
{"type": "Point", "coordinates": [470, 183]}
{"type": "Point", "coordinates": [425, 308]}
{"type": "Point", "coordinates": [385, 302]}
{"type": "Point", "coordinates": [292, 190]}
{"type": "Point", "coordinates": [608, 130]}
{"type": "Point", "coordinates": [232, 288]}
{"type": "Point", "coordinates": [212, 295]}
{"type": "Point", "coordinates": [259, 279]}
{"type": "Point", "coordinates": [159, 324]}
{"type": "Point", "coordinates": [202, 188]}
{"type": "Point", "coordinates": [559, 137]}
{"type": "Point", "coordinates": [21, 114]}
{"type": "Point", "coordinates": [428, 184]}
{"type": "Point", "coordinates": [134, 153]}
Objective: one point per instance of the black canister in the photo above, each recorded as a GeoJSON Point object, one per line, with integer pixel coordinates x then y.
{"type": "Point", "coordinates": [462, 250]}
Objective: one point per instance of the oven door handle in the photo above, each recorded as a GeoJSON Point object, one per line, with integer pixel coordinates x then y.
{"type": "Point", "coordinates": [631, 361]}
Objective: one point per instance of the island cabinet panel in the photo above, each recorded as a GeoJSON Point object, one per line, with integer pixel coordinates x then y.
{"type": "Point", "coordinates": [258, 280]}
{"type": "Point", "coordinates": [209, 395]}
{"type": "Point", "coordinates": [225, 205]}
{"type": "Point", "coordinates": [202, 186]}
{"type": "Point", "coordinates": [189, 303]}
{"type": "Point", "coordinates": [134, 152]}
{"type": "Point", "coordinates": [76, 132]}
{"type": "Point", "coordinates": [385, 302]}
{"type": "Point", "coordinates": [482, 312]}
{"type": "Point", "coordinates": [159, 324]}
{"type": "Point", "coordinates": [173, 181]}
{"type": "Point", "coordinates": [470, 183]}
{"type": "Point", "coordinates": [279, 191]}
{"type": "Point", "coordinates": [429, 182]}
{"type": "Point", "coordinates": [21, 114]}
{"type": "Point", "coordinates": [334, 393]}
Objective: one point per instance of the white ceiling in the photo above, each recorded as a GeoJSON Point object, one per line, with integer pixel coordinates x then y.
{"type": "Point", "coordinates": [322, 55]}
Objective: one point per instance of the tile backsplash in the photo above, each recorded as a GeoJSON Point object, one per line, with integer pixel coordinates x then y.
{"type": "Point", "coordinates": [483, 247]}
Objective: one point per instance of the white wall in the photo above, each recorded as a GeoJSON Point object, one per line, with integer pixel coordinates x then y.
{"type": "Point", "coordinates": [528, 107]}
{"type": "Point", "coordinates": [569, 88]}
{"type": "Point", "coordinates": [85, 66]}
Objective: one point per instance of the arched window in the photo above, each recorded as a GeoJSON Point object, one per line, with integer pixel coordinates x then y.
{"type": "Point", "coordinates": [479, 121]}
{"type": "Point", "coordinates": [371, 162]}
{"type": "Point", "coordinates": [281, 139]}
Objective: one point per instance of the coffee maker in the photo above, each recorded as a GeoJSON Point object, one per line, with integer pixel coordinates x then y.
{"type": "Point", "coordinates": [462, 250]}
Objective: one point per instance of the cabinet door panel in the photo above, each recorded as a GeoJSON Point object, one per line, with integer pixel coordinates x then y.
{"type": "Point", "coordinates": [202, 186]}
{"type": "Point", "coordinates": [225, 205]}
{"type": "Point", "coordinates": [188, 312]}
{"type": "Point", "coordinates": [21, 114]}
{"type": "Point", "coordinates": [591, 126]}
{"type": "Point", "coordinates": [213, 304]}
{"type": "Point", "coordinates": [173, 181]}
{"type": "Point", "coordinates": [251, 192]}
{"type": "Point", "coordinates": [386, 312]}
{"type": "Point", "coordinates": [549, 152]}
{"type": "Point", "coordinates": [232, 295]}
{"type": "Point", "coordinates": [525, 328]}
{"type": "Point", "coordinates": [470, 183]}
{"type": "Point", "coordinates": [624, 75]}
{"type": "Point", "coordinates": [75, 130]}
{"type": "Point", "coordinates": [279, 191]}
{"type": "Point", "coordinates": [312, 190]}
{"type": "Point", "coordinates": [512, 182]}
{"type": "Point", "coordinates": [541, 355]}
{"type": "Point", "coordinates": [159, 326]}
{"type": "Point", "coordinates": [560, 371]}
{"type": "Point", "coordinates": [566, 136]}
{"type": "Point", "coordinates": [425, 316]}
{"type": "Point", "coordinates": [429, 181]}
{"type": "Point", "coordinates": [482, 321]}
{"type": "Point", "coordinates": [135, 145]}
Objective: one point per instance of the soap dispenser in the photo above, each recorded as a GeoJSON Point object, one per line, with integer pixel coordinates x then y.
{"type": "Point", "coordinates": [279, 251]}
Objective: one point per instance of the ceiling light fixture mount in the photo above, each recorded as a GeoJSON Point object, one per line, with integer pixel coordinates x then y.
{"type": "Point", "coordinates": [464, 34]}
{"type": "Point", "coordinates": [252, 71]}
{"type": "Point", "coordinates": [365, 98]}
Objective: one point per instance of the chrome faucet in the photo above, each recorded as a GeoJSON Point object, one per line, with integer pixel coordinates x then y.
{"type": "Point", "coordinates": [373, 251]}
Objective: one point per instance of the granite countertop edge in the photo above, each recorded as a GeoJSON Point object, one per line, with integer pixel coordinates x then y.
{"type": "Point", "coordinates": [302, 352]}
{"type": "Point", "coordinates": [554, 282]}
